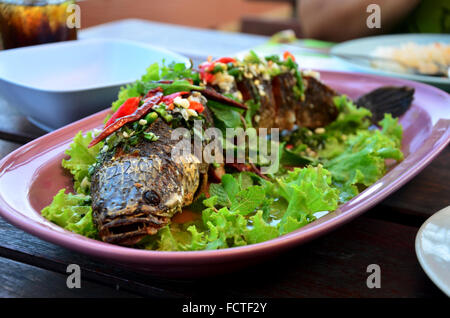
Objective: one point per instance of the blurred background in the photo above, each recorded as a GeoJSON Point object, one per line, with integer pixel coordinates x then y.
{"type": "Point", "coordinates": [327, 20]}
{"type": "Point", "coordinates": [320, 19]}
{"type": "Point", "coordinates": [251, 16]}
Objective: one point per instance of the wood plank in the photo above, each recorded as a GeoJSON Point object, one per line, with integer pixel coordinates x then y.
{"type": "Point", "coordinates": [426, 193]}
{"type": "Point", "coordinates": [21, 280]}
{"type": "Point", "coordinates": [335, 266]}
{"type": "Point", "coordinates": [12, 121]}
{"type": "Point", "coordinates": [25, 248]}
{"type": "Point", "coordinates": [331, 266]}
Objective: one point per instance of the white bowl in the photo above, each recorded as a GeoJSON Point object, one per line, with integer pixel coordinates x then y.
{"type": "Point", "coordinates": [58, 83]}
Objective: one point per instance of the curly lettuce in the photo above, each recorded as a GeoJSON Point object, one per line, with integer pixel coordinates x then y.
{"type": "Point", "coordinates": [81, 158]}
{"type": "Point", "coordinates": [361, 161]}
{"type": "Point", "coordinates": [242, 210]}
{"type": "Point", "coordinates": [72, 212]}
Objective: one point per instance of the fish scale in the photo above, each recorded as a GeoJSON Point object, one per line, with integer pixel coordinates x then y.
{"type": "Point", "coordinates": [122, 185]}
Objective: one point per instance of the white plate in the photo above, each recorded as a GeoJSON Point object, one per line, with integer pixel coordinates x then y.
{"type": "Point", "coordinates": [366, 46]}
{"type": "Point", "coordinates": [58, 83]}
{"type": "Point", "coordinates": [433, 248]}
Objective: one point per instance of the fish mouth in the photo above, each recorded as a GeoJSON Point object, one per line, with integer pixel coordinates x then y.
{"type": "Point", "coordinates": [127, 227]}
{"type": "Point", "coordinates": [129, 231]}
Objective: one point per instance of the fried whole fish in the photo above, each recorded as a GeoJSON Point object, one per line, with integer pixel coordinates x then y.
{"type": "Point", "coordinates": [259, 89]}
{"type": "Point", "coordinates": [135, 193]}
{"type": "Point", "coordinates": [317, 109]}
{"type": "Point", "coordinates": [281, 108]}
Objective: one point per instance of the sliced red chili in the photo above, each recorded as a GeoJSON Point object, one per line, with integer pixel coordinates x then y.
{"type": "Point", "coordinates": [198, 107]}
{"type": "Point", "coordinates": [287, 55]}
{"type": "Point", "coordinates": [127, 108]}
{"type": "Point", "coordinates": [204, 71]}
{"type": "Point", "coordinates": [120, 122]}
{"type": "Point", "coordinates": [153, 92]}
{"type": "Point", "coordinates": [214, 95]}
{"type": "Point", "coordinates": [168, 99]}
{"type": "Point", "coordinates": [207, 67]}
{"type": "Point", "coordinates": [225, 60]}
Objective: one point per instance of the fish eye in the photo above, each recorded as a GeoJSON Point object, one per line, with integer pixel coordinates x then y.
{"type": "Point", "coordinates": [151, 197]}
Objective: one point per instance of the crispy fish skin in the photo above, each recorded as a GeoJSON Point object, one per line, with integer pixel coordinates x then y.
{"type": "Point", "coordinates": [262, 92]}
{"type": "Point", "coordinates": [136, 193]}
{"type": "Point", "coordinates": [286, 102]}
{"type": "Point", "coordinates": [281, 108]}
{"type": "Point", "coordinates": [317, 109]}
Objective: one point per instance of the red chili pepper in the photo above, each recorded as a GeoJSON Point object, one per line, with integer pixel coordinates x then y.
{"type": "Point", "coordinates": [225, 60]}
{"type": "Point", "coordinates": [206, 76]}
{"type": "Point", "coordinates": [207, 67]}
{"type": "Point", "coordinates": [136, 115]}
{"type": "Point", "coordinates": [287, 55]}
{"type": "Point", "coordinates": [289, 146]}
{"type": "Point", "coordinates": [153, 92]}
{"type": "Point", "coordinates": [198, 107]}
{"type": "Point", "coordinates": [212, 94]}
{"type": "Point", "coordinates": [168, 99]}
{"type": "Point", "coordinates": [127, 108]}
{"type": "Point", "coordinates": [204, 71]}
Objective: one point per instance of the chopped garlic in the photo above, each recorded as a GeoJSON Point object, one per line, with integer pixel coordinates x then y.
{"type": "Point", "coordinates": [319, 130]}
{"type": "Point", "coordinates": [238, 95]}
{"type": "Point", "coordinates": [181, 102]}
{"type": "Point", "coordinates": [225, 82]}
{"type": "Point", "coordinates": [184, 114]}
{"type": "Point", "coordinates": [191, 112]}
{"type": "Point", "coordinates": [248, 75]}
{"type": "Point", "coordinates": [312, 73]}
{"type": "Point", "coordinates": [142, 122]}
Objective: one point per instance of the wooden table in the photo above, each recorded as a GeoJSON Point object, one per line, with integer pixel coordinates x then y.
{"type": "Point", "coordinates": [332, 266]}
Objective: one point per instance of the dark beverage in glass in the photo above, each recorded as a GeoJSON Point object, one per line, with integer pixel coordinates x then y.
{"type": "Point", "coordinates": [31, 22]}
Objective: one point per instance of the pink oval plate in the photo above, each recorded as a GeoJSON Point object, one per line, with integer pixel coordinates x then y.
{"type": "Point", "coordinates": [32, 175]}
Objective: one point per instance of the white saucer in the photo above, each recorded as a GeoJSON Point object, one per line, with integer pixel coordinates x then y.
{"type": "Point", "coordinates": [433, 248]}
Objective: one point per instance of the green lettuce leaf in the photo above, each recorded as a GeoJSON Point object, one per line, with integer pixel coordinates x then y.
{"type": "Point", "coordinates": [363, 160]}
{"type": "Point", "coordinates": [72, 212]}
{"type": "Point", "coordinates": [81, 158]}
{"type": "Point", "coordinates": [350, 118]}
{"type": "Point", "coordinates": [260, 231]}
{"type": "Point", "coordinates": [243, 209]}
{"type": "Point", "coordinates": [307, 191]}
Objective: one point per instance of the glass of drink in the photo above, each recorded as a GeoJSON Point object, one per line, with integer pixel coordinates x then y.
{"type": "Point", "coordinates": [31, 22]}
